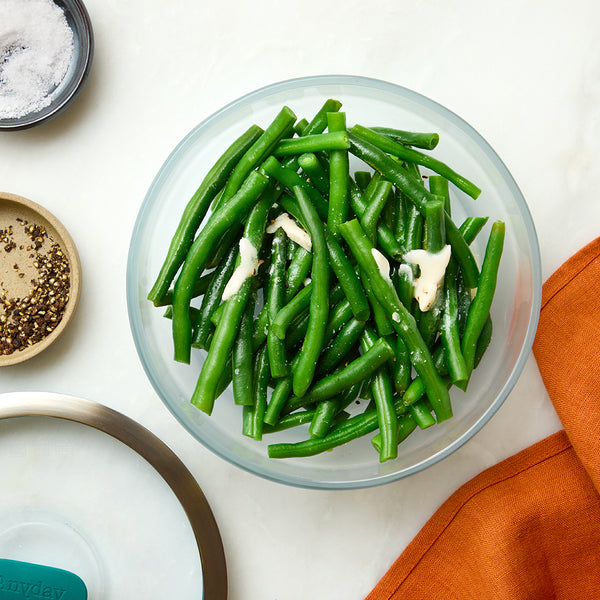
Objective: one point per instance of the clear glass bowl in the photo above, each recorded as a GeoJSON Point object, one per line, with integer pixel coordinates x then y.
{"type": "Point", "coordinates": [515, 309]}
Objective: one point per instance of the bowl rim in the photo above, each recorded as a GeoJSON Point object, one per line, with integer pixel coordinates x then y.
{"type": "Point", "coordinates": [524, 213]}
{"type": "Point", "coordinates": [78, 78]}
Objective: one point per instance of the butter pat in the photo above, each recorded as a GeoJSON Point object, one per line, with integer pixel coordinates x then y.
{"type": "Point", "coordinates": [382, 264]}
{"type": "Point", "coordinates": [433, 268]}
{"type": "Point", "coordinates": [247, 267]}
{"type": "Point", "coordinates": [292, 230]}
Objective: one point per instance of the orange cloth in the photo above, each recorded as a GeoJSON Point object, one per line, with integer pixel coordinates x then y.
{"type": "Point", "coordinates": [528, 528]}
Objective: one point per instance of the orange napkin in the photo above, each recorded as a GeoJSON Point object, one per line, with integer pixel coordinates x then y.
{"type": "Point", "coordinates": [528, 528]}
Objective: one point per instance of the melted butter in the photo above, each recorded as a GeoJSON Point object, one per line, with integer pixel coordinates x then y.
{"type": "Point", "coordinates": [247, 267]}
{"type": "Point", "coordinates": [382, 264]}
{"type": "Point", "coordinates": [433, 268]}
{"type": "Point", "coordinates": [292, 230]}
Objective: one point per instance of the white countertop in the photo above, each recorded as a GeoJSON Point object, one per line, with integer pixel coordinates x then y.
{"type": "Point", "coordinates": [526, 75]}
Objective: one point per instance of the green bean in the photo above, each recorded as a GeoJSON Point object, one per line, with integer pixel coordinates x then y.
{"type": "Point", "coordinates": [317, 125]}
{"type": "Point", "coordinates": [339, 315]}
{"type": "Point", "coordinates": [200, 287]}
{"type": "Point", "coordinates": [413, 239]}
{"type": "Point", "coordinates": [483, 342]}
{"type": "Point", "coordinates": [296, 331]}
{"type": "Point", "coordinates": [401, 367]}
{"type": "Point", "coordinates": [213, 297]}
{"type": "Point", "coordinates": [319, 121]}
{"type": "Point", "coordinates": [435, 240]}
{"type": "Point", "coordinates": [275, 295]}
{"type": "Point", "coordinates": [383, 396]}
{"type": "Point", "coordinates": [354, 372]}
{"type": "Point", "coordinates": [300, 126]}
{"type": "Point", "coordinates": [449, 331]}
{"type": "Point", "coordinates": [341, 345]}
{"type": "Point", "coordinates": [328, 409]}
{"type": "Point", "coordinates": [243, 358]}
{"type": "Point", "coordinates": [252, 423]}
{"type": "Point", "coordinates": [377, 202]}
{"type": "Point", "coordinates": [349, 281]}
{"type": "Point", "coordinates": [464, 300]}
{"type": "Point", "coordinates": [409, 154]}
{"type": "Point", "coordinates": [225, 333]}
{"type": "Point", "coordinates": [310, 164]}
{"type": "Point", "coordinates": [421, 414]}
{"type": "Point", "coordinates": [290, 179]}
{"type": "Point", "coordinates": [416, 389]}
{"type": "Point", "coordinates": [471, 227]}
{"type": "Point", "coordinates": [289, 421]}
{"type": "Point", "coordinates": [221, 248]}
{"type": "Point", "coordinates": [387, 241]}
{"type": "Point", "coordinates": [405, 425]}
{"type": "Point", "coordinates": [290, 311]}
{"type": "Point", "coordinates": [400, 318]}
{"type": "Point", "coordinates": [380, 316]}
{"type": "Point", "coordinates": [230, 215]}
{"type": "Point", "coordinates": [415, 225]}
{"type": "Point", "coordinates": [297, 272]}
{"type": "Point", "coordinates": [388, 214]}
{"type": "Point", "coordinates": [319, 300]}
{"type": "Point", "coordinates": [350, 430]}
{"type": "Point", "coordinates": [435, 228]}
{"type": "Point", "coordinates": [417, 194]}
{"type": "Point", "coordinates": [257, 153]}
{"type": "Point", "coordinates": [438, 186]}
{"type": "Point", "coordinates": [399, 223]}
{"type": "Point", "coordinates": [338, 174]}
{"type": "Point", "coordinates": [427, 141]}
{"type": "Point", "coordinates": [225, 378]}
{"type": "Point", "coordinates": [480, 307]}
{"type": "Point", "coordinates": [279, 397]}
{"type": "Point", "coordinates": [291, 250]}
{"type": "Point", "coordinates": [337, 140]}
{"type": "Point", "coordinates": [362, 179]}
{"type": "Point", "coordinates": [370, 189]}
{"type": "Point", "coordinates": [196, 210]}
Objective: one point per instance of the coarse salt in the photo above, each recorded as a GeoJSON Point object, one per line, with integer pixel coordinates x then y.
{"type": "Point", "coordinates": [36, 49]}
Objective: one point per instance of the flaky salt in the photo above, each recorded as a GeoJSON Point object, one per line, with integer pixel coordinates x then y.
{"type": "Point", "coordinates": [36, 49]}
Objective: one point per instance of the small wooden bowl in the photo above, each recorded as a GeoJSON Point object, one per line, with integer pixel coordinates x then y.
{"type": "Point", "coordinates": [12, 208]}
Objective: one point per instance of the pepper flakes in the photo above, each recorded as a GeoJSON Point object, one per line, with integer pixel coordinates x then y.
{"type": "Point", "coordinates": [30, 319]}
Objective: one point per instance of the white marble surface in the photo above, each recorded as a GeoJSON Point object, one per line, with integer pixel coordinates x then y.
{"type": "Point", "coordinates": [526, 75]}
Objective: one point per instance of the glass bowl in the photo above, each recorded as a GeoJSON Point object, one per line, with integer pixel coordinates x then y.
{"type": "Point", "coordinates": [515, 309]}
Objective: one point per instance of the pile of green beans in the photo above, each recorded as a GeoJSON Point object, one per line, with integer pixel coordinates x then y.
{"type": "Point", "coordinates": [328, 334]}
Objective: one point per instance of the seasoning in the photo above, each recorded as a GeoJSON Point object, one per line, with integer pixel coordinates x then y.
{"type": "Point", "coordinates": [36, 49]}
{"type": "Point", "coordinates": [27, 320]}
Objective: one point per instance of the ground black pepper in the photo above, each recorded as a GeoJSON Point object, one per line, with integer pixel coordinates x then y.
{"type": "Point", "coordinates": [27, 320]}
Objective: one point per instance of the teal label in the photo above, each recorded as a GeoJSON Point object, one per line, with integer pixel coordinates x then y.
{"type": "Point", "coordinates": [26, 580]}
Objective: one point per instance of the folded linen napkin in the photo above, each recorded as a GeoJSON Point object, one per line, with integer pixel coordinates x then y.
{"type": "Point", "coordinates": [528, 528]}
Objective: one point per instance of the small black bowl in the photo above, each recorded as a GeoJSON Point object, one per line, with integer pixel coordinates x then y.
{"type": "Point", "coordinates": [83, 51]}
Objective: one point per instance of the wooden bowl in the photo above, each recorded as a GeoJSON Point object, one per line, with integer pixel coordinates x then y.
{"type": "Point", "coordinates": [17, 269]}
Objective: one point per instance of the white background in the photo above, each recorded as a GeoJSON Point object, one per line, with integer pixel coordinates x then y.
{"type": "Point", "coordinates": [526, 75]}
